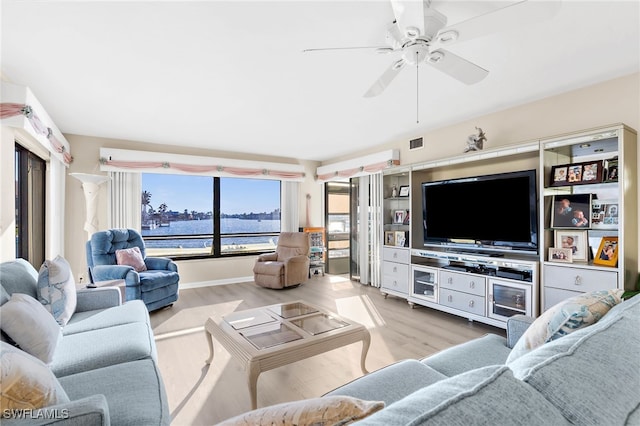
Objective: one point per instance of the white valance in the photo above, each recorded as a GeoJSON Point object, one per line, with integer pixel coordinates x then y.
{"type": "Point", "coordinates": [125, 160]}
{"type": "Point", "coordinates": [361, 166]}
{"type": "Point", "coordinates": [20, 109]}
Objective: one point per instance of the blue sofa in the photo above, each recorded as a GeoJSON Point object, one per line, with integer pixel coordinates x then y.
{"type": "Point", "coordinates": [588, 377]}
{"type": "Point", "coordinates": [106, 361]}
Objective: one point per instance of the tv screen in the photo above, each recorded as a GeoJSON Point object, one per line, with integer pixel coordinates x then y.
{"type": "Point", "coordinates": [494, 212]}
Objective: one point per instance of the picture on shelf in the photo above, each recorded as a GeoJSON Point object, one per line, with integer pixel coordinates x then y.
{"type": "Point", "coordinates": [406, 218]}
{"type": "Point", "coordinates": [561, 255]}
{"type": "Point", "coordinates": [576, 241]}
{"type": "Point", "coordinates": [398, 216]}
{"type": "Point", "coordinates": [401, 239]}
{"type": "Point", "coordinates": [571, 211]}
{"type": "Point", "coordinates": [404, 191]}
{"type": "Point", "coordinates": [577, 173]}
{"type": "Point", "coordinates": [389, 238]}
{"type": "Point", "coordinates": [607, 254]}
{"type": "Point", "coordinates": [604, 214]}
{"type": "Point", "coordinates": [559, 176]}
{"type": "Point", "coordinates": [612, 170]}
{"type": "Point", "coordinates": [592, 172]}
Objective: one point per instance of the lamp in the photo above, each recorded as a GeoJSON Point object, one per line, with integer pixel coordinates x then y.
{"type": "Point", "coordinates": [91, 185]}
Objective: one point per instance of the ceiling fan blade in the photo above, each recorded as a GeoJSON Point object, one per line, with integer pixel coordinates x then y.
{"type": "Point", "coordinates": [410, 16]}
{"type": "Point", "coordinates": [394, 36]}
{"type": "Point", "coordinates": [512, 16]}
{"type": "Point", "coordinates": [457, 67]}
{"type": "Point", "coordinates": [322, 49]}
{"type": "Point", "coordinates": [385, 79]}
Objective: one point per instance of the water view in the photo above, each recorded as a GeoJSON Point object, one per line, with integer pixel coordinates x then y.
{"type": "Point", "coordinates": [240, 199]}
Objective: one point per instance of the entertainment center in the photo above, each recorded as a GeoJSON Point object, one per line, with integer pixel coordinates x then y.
{"type": "Point", "coordinates": [477, 229]}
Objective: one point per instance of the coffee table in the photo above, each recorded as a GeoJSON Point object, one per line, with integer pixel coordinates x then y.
{"type": "Point", "coordinates": [265, 338]}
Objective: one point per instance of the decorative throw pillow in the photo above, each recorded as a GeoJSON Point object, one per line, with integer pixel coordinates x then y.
{"type": "Point", "coordinates": [329, 410]}
{"type": "Point", "coordinates": [131, 257]}
{"type": "Point", "coordinates": [566, 317]}
{"type": "Point", "coordinates": [26, 382]}
{"type": "Point", "coordinates": [57, 289]}
{"type": "Point", "coordinates": [28, 323]}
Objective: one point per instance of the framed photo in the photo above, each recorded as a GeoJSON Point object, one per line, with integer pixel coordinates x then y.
{"type": "Point", "coordinates": [604, 214]}
{"type": "Point", "coordinates": [564, 255]}
{"type": "Point", "coordinates": [574, 240]}
{"type": "Point", "coordinates": [574, 173]}
{"type": "Point", "coordinates": [389, 238]}
{"type": "Point", "coordinates": [398, 216]}
{"type": "Point", "coordinates": [612, 170]}
{"type": "Point", "coordinates": [607, 254]}
{"type": "Point", "coordinates": [559, 175]}
{"type": "Point", "coordinates": [571, 211]}
{"type": "Point", "coordinates": [404, 191]}
{"type": "Point", "coordinates": [401, 238]}
{"type": "Point", "coordinates": [577, 174]}
{"type": "Point", "coordinates": [592, 172]}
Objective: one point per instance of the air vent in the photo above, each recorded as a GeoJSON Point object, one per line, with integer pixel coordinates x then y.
{"type": "Point", "coordinates": [416, 143]}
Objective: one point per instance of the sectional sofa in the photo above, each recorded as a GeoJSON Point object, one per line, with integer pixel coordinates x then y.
{"type": "Point", "coordinates": [105, 362]}
{"type": "Point", "coordinates": [588, 377]}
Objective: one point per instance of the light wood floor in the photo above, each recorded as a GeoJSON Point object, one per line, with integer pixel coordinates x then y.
{"type": "Point", "coordinates": [203, 395]}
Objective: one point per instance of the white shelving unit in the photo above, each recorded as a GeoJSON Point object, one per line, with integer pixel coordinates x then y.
{"type": "Point", "coordinates": [600, 146]}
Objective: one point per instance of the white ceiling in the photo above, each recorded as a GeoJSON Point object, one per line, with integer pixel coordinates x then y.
{"type": "Point", "coordinates": [231, 75]}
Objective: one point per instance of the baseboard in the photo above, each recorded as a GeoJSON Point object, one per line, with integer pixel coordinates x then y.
{"type": "Point", "coordinates": [211, 283]}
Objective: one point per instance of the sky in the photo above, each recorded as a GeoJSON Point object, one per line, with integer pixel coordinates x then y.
{"type": "Point", "coordinates": [239, 195]}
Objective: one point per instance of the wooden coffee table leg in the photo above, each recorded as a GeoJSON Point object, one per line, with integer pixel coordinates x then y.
{"type": "Point", "coordinates": [366, 342]}
{"type": "Point", "coordinates": [210, 342]}
{"type": "Point", "coordinates": [253, 372]}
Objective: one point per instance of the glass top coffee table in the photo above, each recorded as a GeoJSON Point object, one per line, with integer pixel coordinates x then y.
{"type": "Point", "coordinates": [265, 338]}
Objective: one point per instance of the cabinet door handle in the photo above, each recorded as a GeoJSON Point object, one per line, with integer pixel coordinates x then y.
{"type": "Point", "coordinates": [450, 280]}
{"type": "Point", "coordinates": [450, 298]}
{"type": "Point", "coordinates": [395, 269]}
{"type": "Point", "coordinates": [395, 283]}
{"type": "Point", "coordinates": [395, 255]}
{"type": "Point", "coordinates": [578, 280]}
{"type": "Point", "coordinates": [471, 303]}
{"type": "Point", "coordinates": [472, 284]}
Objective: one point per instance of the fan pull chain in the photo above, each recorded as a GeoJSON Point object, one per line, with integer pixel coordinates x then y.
{"type": "Point", "coordinates": [417, 90]}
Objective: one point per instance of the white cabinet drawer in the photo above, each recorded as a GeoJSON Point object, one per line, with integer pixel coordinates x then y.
{"type": "Point", "coordinates": [578, 279]}
{"type": "Point", "coordinates": [462, 301]}
{"type": "Point", "coordinates": [472, 284]}
{"type": "Point", "coordinates": [395, 276]}
{"type": "Point", "coordinates": [395, 270]}
{"type": "Point", "coordinates": [395, 254]}
{"type": "Point", "coordinates": [553, 296]}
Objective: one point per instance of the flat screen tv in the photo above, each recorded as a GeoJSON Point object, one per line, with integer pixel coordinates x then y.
{"type": "Point", "coordinates": [496, 213]}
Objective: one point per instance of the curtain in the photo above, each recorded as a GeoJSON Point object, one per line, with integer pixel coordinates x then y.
{"type": "Point", "coordinates": [124, 201]}
{"type": "Point", "coordinates": [55, 217]}
{"type": "Point", "coordinates": [290, 214]}
{"type": "Point", "coordinates": [364, 231]}
{"type": "Point", "coordinates": [375, 198]}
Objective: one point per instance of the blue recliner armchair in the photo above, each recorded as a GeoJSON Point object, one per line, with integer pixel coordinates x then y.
{"type": "Point", "coordinates": [157, 287]}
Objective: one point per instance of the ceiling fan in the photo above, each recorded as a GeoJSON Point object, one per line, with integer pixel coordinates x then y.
{"type": "Point", "coordinates": [419, 33]}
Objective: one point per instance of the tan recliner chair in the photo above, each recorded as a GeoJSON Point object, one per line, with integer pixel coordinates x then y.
{"type": "Point", "coordinates": [288, 266]}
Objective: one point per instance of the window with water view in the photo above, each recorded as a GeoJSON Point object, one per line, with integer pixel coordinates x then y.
{"type": "Point", "coordinates": [186, 215]}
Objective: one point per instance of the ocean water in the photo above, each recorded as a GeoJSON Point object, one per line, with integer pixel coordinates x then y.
{"type": "Point", "coordinates": [200, 227]}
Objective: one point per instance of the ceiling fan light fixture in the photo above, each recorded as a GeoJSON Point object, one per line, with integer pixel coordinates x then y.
{"type": "Point", "coordinates": [448, 37]}
{"type": "Point", "coordinates": [412, 32]}
{"type": "Point", "coordinates": [435, 57]}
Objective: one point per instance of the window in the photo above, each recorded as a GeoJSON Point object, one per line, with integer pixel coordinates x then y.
{"type": "Point", "coordinates": [194, 216]}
